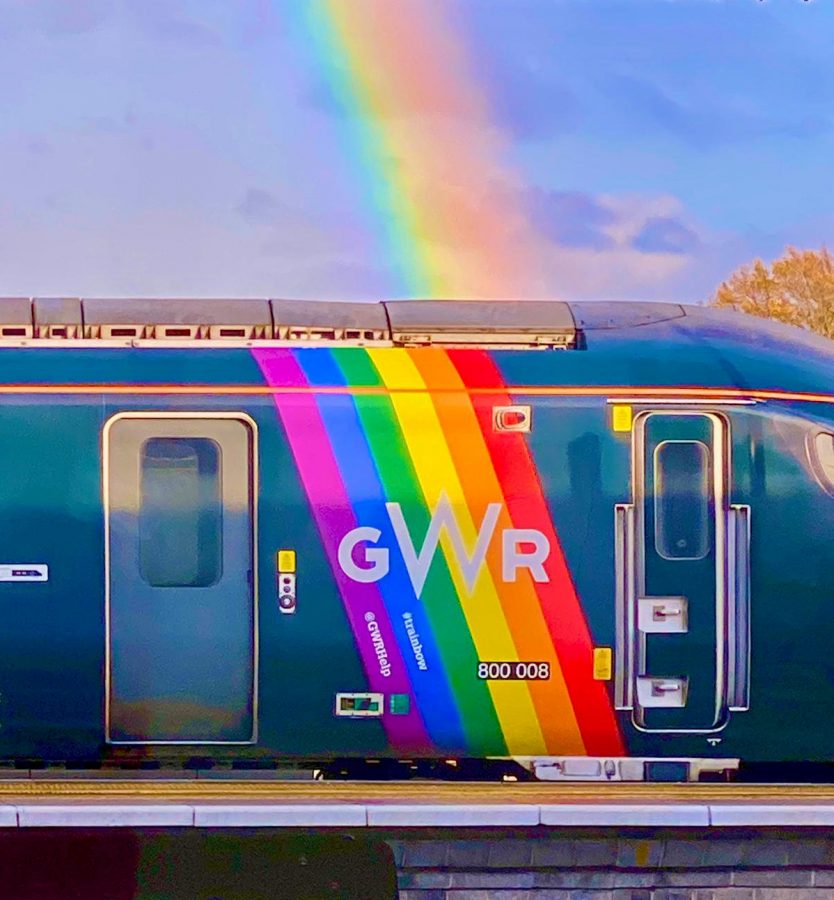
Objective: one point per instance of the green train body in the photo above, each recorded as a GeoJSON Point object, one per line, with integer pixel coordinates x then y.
{"type": "Point", "coordinates": [603, 532]}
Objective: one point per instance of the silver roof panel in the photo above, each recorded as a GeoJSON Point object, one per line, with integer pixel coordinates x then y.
{"type": "Point", "coordinates": [15, 311]}
{"type": "Point", "coordinates": [176, 312]}
{"type": "Point", "coordinates": [481, 321]}
{"type": "Point", "coordinates": [57, 311]}
{"type": "Point", "coordinates": [330, 315]}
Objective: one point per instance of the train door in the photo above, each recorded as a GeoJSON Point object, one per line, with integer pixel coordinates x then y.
{"type": "Point", "coordinates": [683, 552]}
{"type": "Point", "coordinates": [180, 559]}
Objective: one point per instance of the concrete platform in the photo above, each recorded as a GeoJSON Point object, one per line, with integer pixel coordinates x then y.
{"type": "Point", "coordinates": [244, 803]}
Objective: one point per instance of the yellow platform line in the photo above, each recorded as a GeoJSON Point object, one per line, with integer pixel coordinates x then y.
{"type": "Point", "coordinates": [419, 792]}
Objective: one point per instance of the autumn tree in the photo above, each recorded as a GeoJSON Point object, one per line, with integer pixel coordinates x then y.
{"type": "Point", "coordinates": [797, 288]}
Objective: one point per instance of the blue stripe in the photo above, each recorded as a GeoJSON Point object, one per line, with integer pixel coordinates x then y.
{"type": "Point", "coordinates": [364, 487]}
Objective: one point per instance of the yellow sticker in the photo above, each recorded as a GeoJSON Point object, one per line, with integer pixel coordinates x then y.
{"type": "Point", "coordinates": [621, 418]}
{"type": "Point", "coordinates": [286, 561]}
{"type": "Point", "coordinates": [602, 663]}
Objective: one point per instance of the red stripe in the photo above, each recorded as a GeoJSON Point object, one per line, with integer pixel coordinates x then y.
{"type": "Point", "coordinates": [559, 601]}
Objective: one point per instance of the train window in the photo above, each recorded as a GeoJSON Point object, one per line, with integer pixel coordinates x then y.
{"type": "Point", "coordinates": [681, 499]}
{"type": "Point", "coordinates": [824, 453]}
{"type": "Point", "coordinates": [180, 512]}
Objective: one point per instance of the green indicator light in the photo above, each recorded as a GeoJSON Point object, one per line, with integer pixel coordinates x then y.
{"type": "Point", "coordinates": [399, 704]}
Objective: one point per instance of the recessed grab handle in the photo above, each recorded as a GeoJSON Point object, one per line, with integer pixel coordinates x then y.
{"type": "Point", "coordinates": [738, 608]}
{"type": "Point", "coordinates": [625, 603]}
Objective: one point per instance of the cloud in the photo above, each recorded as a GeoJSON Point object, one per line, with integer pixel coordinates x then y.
{"type": "Point", "coordinates": [614, 246]}
{"type": "Point", "coordinates": [38, 146]}
{"type": "Point", "coordinates": [571, 218]}
{"type": "Point", "coordinates": [260, 207]}
{"type": "Point", "coordinates": [704, 123]}
{"type": "Point", "coordinates": [665, 234]}
{"type": "Point", "coordinates": [623, 67]}
{"type": "Point", "coordinates": [658, 253]}
{"type": "Point", "coordinates": [600, 222]}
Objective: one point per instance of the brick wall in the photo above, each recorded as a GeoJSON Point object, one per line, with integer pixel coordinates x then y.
{"type": "Point", "coordinates": [770, 864]}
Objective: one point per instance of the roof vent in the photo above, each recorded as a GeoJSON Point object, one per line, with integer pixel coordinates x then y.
{"type": "Point", "coordinates": [524, 323]}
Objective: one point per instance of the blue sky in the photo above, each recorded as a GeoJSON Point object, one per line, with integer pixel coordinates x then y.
{"type": "Point", "coordinates": [191, 148]}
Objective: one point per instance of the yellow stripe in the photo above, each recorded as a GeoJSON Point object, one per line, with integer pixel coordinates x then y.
{"type": "Point", "coordinates": [519, 599]}
{"type": "Point", "coordinates": [482, 608]}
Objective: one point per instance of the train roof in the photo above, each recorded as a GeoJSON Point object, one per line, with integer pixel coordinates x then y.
{"type": "Point", "coordinates": [542, 323]}
{"type": "Point", "coordinates": [568, 343]}
{"type": "Point", "coordinates": [629, 342]}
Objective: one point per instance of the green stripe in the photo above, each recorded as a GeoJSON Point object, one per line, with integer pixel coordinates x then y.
{"type": "Point", "coordinates": [439, 597]}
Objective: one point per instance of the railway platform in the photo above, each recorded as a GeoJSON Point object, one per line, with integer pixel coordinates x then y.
{"type": "Point", "coordinates": [471, 841]}
{"type": "Point", "coordinates": [208, 801]}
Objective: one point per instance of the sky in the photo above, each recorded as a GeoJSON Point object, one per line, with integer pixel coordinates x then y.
{"type": "Point", "coordinates": [366, 149]}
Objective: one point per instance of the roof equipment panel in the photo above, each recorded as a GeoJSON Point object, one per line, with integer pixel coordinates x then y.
{"type": "Point", "coordinates": [58, 317]}
{"type": "Point", "coordinates": [162, 319]}
{"type": "Point", "coordinates": [539, 323]}
{"type": "Point", "coordinates": [313, 320]}
{"type": "Point", "coordinates": [493, 323]}
{"type": "Point", "coordinates": [16, 317]}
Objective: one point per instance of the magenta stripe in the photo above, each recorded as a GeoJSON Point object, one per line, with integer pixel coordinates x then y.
{"type": "Point", "coordinates": [335, 518]}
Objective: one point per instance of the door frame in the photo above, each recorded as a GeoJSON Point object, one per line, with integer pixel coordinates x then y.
{"type": "Point", "coordinates": [719, 459]}
{"type": "Point", "coordinates": [253, 497]}
{"type": "Point", "coordinates": [731, 523]}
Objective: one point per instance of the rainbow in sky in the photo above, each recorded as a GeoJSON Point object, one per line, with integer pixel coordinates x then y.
{"type": "Point", "coordinates": [444, 201]}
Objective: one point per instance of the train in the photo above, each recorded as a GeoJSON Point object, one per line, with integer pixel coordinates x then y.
{"type": "Point", "coordinates": [588, 540]}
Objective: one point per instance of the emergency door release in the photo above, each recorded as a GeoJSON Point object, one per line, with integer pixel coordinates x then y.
{"type": "Point", "coordinates": [286, 566]}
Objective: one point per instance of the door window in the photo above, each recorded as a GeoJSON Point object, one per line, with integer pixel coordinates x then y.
{"type": "Point", "coordinates": [682, 499]}
{"type": "Point", "coordinates": [822, 459]}
{"type": "Point", "coordinates": [180, 512]}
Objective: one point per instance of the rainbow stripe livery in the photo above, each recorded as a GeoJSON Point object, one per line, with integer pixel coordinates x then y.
{"type": "Point", "coordinates": [418, 457]}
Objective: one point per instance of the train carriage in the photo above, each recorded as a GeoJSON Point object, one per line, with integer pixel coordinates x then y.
{"type": "Point", "coordinates": [590, 538]}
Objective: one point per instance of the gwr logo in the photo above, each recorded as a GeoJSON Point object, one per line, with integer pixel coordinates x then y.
{"type": "Point", "coordinates": [521, 548]}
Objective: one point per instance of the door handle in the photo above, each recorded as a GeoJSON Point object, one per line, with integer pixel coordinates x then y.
{"type": "Point", "coordinates": [665, 693]}
{"type": "Point", "coordinates": [662, 615]}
